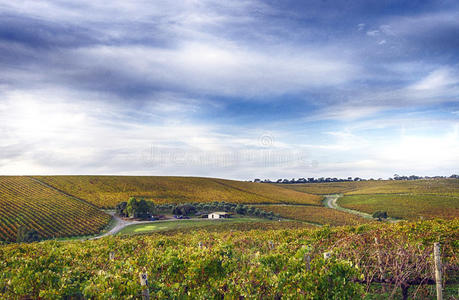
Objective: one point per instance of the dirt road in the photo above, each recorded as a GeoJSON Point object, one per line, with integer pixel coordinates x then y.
{"type": "Point", "coordinates": [118, 226]}
{"type": "Point", "coordinates": [331, 201]}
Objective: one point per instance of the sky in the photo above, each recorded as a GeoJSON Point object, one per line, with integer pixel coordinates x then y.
{"type": "Point", "coordinates": [232, 89]}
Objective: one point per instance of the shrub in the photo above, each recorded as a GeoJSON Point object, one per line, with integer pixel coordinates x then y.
{"type": "Point", "coordinates": [26, 235]}
{"type": "Point", "coordinates": [380, 215]}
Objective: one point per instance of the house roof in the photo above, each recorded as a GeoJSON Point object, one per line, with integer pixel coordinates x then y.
{"type": "Point", "coordinates": [220, 213]}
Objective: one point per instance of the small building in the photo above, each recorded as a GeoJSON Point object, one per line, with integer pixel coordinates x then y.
{"type": "Point", "coordinates": [218, 215]}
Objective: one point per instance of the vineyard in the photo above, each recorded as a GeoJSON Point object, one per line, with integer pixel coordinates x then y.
{"type": "Point", "coordinates": [107, 191]}
{"type": "Point", "coordinates": [447, 187]}
{"type": "Point", "coordinates": [254, 264]}
{"type": "Point", "coordinates": [434, 198]}
{"type": "Point", "coordinates": [405, 206]}
{"type": "Point", "coordinates": [315, 214]}
{"type": "Point", "coordinates": [24, 202]}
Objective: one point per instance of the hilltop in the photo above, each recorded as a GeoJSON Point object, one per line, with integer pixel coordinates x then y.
{"type": "Point", "coordinates": [107, 191]}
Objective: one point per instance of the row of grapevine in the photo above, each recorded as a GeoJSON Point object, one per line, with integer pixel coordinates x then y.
{"type": "Point", "coordinates": [406, 206]}
{"type": "Point", "coordinates": [444, 186]}
{"type": "Point", "coordinates": [256, 264]}
{"type": "Point", "coordinates": [315, 214]}
{"type": "Point", "coordinates": [25, 202]}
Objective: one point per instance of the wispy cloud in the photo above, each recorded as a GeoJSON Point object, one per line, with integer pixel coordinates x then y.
{"type": "Point", "coordinates": [87, 87]}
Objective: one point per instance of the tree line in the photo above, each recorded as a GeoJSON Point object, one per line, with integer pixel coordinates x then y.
{"type": "Point", "coordinates": [142, 209]}
{"type": "Point", "coordinates": [335, 179]}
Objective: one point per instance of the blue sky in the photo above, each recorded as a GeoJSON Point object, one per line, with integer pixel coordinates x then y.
{"type": "Point", "coordinates": [244, 89]}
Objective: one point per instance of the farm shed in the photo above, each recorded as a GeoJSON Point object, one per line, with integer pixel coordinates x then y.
{"type": "Point", "coordinates": [218, 215]}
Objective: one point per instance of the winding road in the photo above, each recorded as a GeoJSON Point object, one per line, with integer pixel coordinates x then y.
{"type": "Point", "coordinates": [331, 201]}
{"type": "Point", "coordinates": [119, 225]}
{"type": "Point", "coordinates": [122, 223]}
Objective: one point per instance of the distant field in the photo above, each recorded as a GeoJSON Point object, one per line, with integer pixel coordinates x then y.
{"type": "Point", "coordinates": [315, 214]}
{"type": "Point", "coordinates": [329, 187]}
{"type": "Point", "coordinates": [434, 186]}
{"type": "Point", "coordinates": [447, 187]}
{"type": "Point", "coordinates": [434, 198]}
{"type": "Point", "coordinates": [405, 206]}
{"type": "Point", "coordinates": [107, 191]}
{"type": "Point", "coordinates": [185, 224]}
{"type": "Point", "coordinates": [26, 202]}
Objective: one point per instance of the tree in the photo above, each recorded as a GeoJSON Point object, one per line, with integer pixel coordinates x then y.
{"type": "Point", "coordinates": [26, 235]}
{"type": "Point", "coordinates": [131, 206]}
{"type": "Point", "coordinates": [185, 209]}
{"type": "Point", "coordinates": [137, 208]}
{"type": "Point", "coordinates": [121, 209]}
{"type": "Point", "coordinates": [240, 209]}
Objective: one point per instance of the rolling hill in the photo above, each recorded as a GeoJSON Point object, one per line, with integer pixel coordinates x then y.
{"type": "Point", "coordinates": [25, 202]}
{"type": "Point", "coordinates": [413, 199]}
{"type": "Point", "coordinates": [107, 191]}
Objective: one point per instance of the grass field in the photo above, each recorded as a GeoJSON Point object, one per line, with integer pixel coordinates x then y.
{"type": "Point", "coordinates": [107, 191]}
{"type": "Point", "coordinates": [24, 202]}
{"type": "Point", "coordinates": [315, 214]}
{"type": "Point", "coordinates": [404, 206]}
{"type": "Point", "coordinates": [185, 224]}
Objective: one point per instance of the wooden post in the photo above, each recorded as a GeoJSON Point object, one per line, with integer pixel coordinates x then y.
{"type": "Point", "coordinates": [307, 259]}
{"type": "Point", "coordinates": [437, 258]}
{"type": "Point", "coordinates": [144, 283]}
{"type": "Point", "coordinates": [378, 254]}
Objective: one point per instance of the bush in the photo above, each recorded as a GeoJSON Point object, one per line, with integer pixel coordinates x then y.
{"type": "Point", "coordinates": [380, 215]}
{"type": "Point", "coordinates": [121, 209]}
{"type": "Point", "coordinates": [26, 235]}
{"type": "Point", "coordinates": [185, 210]}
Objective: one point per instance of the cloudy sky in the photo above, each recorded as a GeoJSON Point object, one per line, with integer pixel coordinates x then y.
{"type": "Point", "coordinates": [243, 89]}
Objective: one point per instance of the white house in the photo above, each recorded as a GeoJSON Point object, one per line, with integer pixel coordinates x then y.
{"type": "Point", "coordinates": [218, 215]}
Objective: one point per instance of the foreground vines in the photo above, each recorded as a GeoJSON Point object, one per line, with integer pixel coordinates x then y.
{"type": "Point", "coordinates": [249, 264]}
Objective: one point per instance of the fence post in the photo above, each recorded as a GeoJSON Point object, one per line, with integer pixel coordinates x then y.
{"type": "Point", "coordinates": [144, 283]}
{"type": "Point", "coordinates": [437, 257]}
{"type": "Point", "coordinates": [307, 259]}
{"type": "Point", "coordinates": [378, 254]}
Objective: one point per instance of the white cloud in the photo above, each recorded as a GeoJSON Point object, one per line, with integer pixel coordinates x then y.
{"type": "Point", "coordinates": [224, 68]}
{"type": "Point", "coordinates": [347, 112]}
{"type": "Point", "coordinates": [438, 79]}
{"type": "Point", "coordinates": [423, 153]}
{"type": "Point", "coordinates": [373, 32]}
